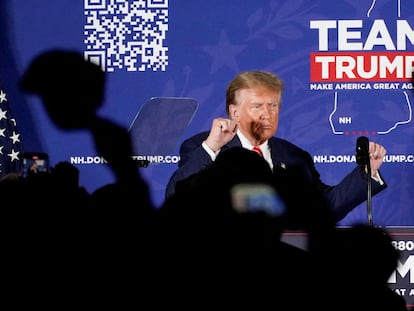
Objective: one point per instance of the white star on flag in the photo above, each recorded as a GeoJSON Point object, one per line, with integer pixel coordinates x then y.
{"type": "Point", "coordinates": [10, 147]}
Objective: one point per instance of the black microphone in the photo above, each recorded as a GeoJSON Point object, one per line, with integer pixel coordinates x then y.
{"type": "Point", "coordinates": [362, 150]}
{"type": "Point", "coordinates": [362, 158]}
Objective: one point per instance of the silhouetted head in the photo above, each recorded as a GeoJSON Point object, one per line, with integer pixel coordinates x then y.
{"type": "Point", "coordinates": [229, 202]}
{"type": "Point", "coordinates": [70, 87]}
{"type": "Point", "coordinates": [367, 251]}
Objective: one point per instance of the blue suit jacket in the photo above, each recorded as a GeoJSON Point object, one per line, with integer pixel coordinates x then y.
{"type": "Point", "coordinates": [341, 198]}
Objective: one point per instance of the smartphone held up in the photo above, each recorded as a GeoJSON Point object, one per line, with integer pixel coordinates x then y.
{"type": "Point", "coordinates": [34, 163]}
{"type": "Point", "coordinates": [251, 198]}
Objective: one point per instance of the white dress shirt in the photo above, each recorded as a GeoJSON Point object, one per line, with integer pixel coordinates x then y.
{"type": "Point", "coordinates": [245, 144]}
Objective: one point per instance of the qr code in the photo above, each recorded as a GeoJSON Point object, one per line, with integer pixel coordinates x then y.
{"type": "Point", "coordinates": [126, 34]}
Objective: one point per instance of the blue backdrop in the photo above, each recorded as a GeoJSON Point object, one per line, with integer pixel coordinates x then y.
{"type": "Point", "coordinates": [346, 64]}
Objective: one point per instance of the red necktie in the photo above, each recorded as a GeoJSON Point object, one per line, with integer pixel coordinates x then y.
{"type": "Point", "coordinates": [257, 150]}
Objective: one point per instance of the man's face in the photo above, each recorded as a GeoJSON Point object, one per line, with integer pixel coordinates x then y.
{"type": "Point", "coordinates": [257, 113]}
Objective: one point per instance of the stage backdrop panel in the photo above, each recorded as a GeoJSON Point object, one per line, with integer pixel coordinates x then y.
{"type": "Point", "coordinates": [347, 66]}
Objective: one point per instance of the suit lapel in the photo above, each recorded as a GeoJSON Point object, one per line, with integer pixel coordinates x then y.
{"type": "Point", "coordinates": [235, 142]}
{"type": "Point", "coordinates": [278, 163]}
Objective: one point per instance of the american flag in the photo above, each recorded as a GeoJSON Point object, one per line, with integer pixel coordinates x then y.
{"type": "Point", "coordinates": [10, 146]}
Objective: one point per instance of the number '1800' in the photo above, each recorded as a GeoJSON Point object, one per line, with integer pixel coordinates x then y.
{"type": "Point", "coordinates": [403, 245]}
